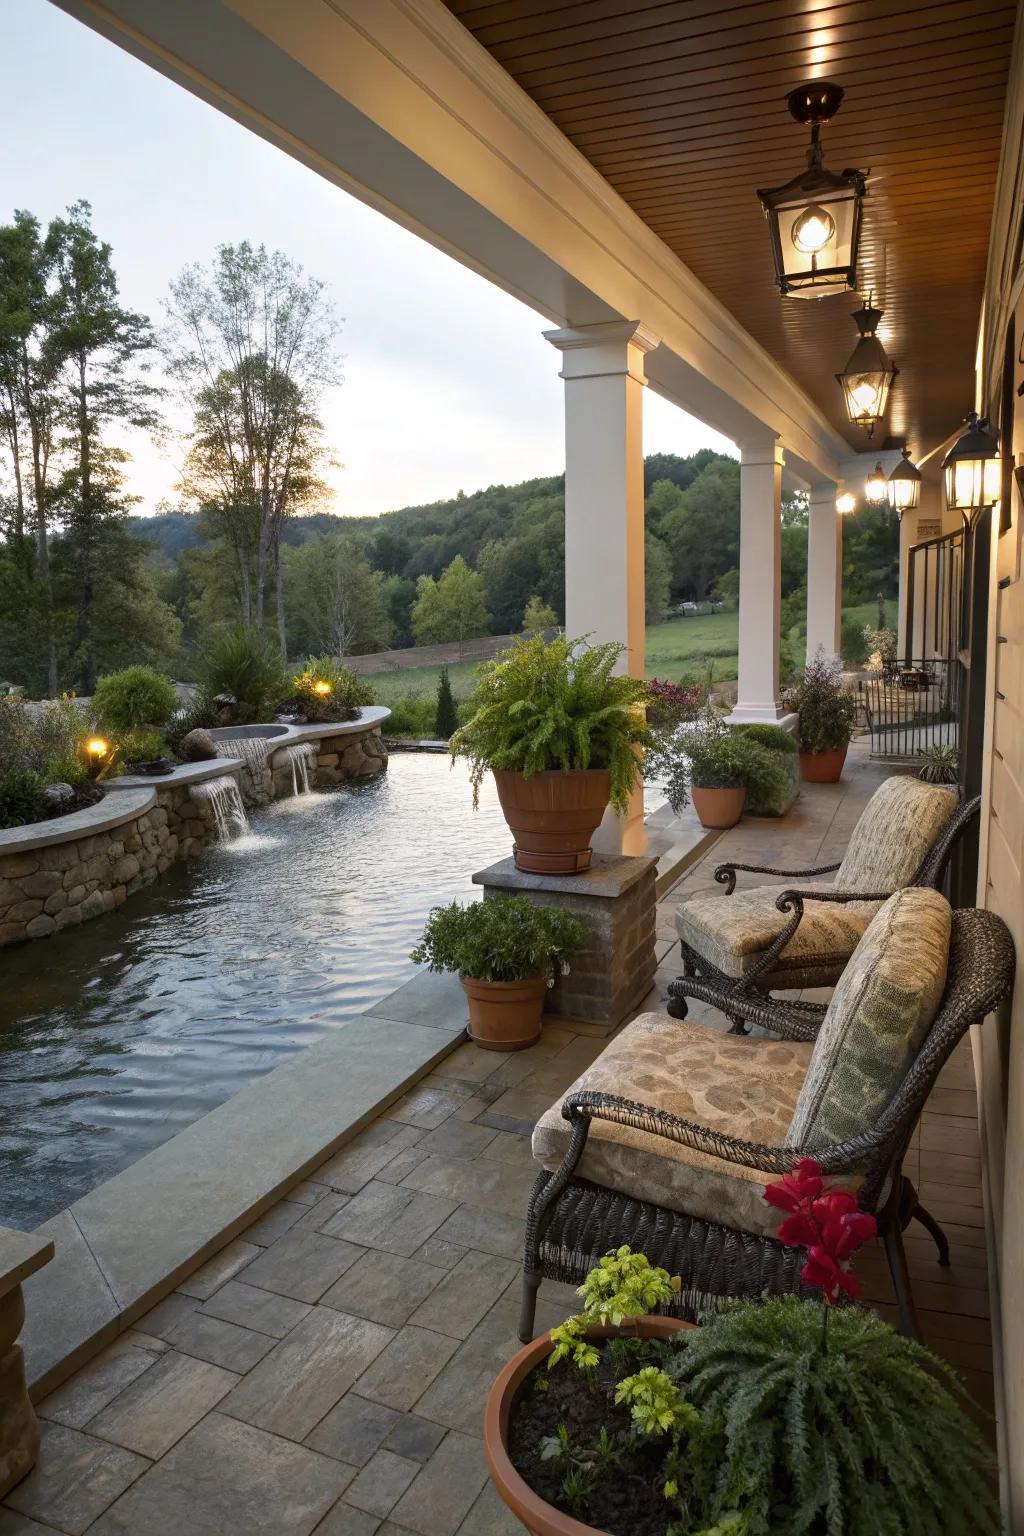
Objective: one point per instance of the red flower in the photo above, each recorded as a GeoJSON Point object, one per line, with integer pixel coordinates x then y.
{"type": "Point", "coordinates": [803, 1184]}
{"type": "Point", "coordinates": [827, 1222]}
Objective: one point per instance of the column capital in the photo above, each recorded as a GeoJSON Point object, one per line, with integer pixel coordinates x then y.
{"type": "Point", "coordinates": [765, 450]}
{"type": "Point", "coordinates": [595, 351]}
{"type": "Point", "coordinates": [823, 490]}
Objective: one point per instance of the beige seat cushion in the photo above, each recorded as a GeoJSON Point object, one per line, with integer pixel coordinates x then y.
{"type": "Point", "coordinates": [745, 1087]}
{"type": "Point", "coordinates": [881, 1011]}
{"type": "Point", "coordinates": [734, 931]}
{"type": "Point", "coordinates": [894, 834]}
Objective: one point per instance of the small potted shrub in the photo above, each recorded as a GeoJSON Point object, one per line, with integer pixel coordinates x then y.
{"type": "Point", "coordinates": [560, 730]}
{"type": "Point", "coordinates": [774, 1417]}
{"type": "Point", "coordinates": [940, 764]}
{"type": "Point", "coordinates": [827, 714]}
{"type": "Point", "coordinates": [714, 766]}
{"type": "Point", "coordinates": [771, 791]}
{"type": "Point", "coordinates": [505, 951]}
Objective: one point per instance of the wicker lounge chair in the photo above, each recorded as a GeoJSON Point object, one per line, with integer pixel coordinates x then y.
{"type": "Point", "coordinates": [762, 939]}
{"type": "Point", "coordinates": [666, 1141]}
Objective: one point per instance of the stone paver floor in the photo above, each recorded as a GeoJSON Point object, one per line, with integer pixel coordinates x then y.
{"type": "Point", "coordinates": [326, 1372]}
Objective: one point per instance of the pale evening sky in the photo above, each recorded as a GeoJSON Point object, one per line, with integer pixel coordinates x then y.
{"type": "Point", "coordinates": [448, 382]}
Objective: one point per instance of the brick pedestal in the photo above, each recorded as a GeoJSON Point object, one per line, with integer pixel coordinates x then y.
{"type": "Point", "coordinates": [614, 971]}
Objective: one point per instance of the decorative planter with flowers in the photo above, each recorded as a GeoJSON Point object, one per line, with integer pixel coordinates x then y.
{"type": "Point", "coordinates": [506, 952]}
{"type": "Point", "coordinates": [561, 731]}
{"type": "Point", "coordinates": [787, 1416]}
{"type": "Point", "coordinates": [827, 714]}
{"type": "Point", "coordinates": [714, 766]}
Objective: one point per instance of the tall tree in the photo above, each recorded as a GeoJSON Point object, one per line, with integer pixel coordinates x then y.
{"type": "Point", "coordinates": [657, 579]}
{"type": "Point", "coordinates": [28, 374]}
{"type": "Point", "coordinates": [252, 343]}
{"type": "Point", "coordinates": [336, 599]}
{"type": "Point", "coordinates": [451, 608]}
{"type": "Point", "coordinates": [100, 351]}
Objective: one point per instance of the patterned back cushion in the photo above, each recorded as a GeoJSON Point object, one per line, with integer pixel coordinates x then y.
{"type": "Point", "coordinates": [883, 1007]}
{"type": "Point", "coordinates": [896, 829]}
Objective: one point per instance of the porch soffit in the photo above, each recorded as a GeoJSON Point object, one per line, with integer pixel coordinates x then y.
{"type": "Point", "coordinates": [680, 106]}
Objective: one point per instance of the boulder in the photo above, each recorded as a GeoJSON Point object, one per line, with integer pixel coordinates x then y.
{"type": "Point", "coordinates": [198, 746]}
{"type": "Point", "coordinates": [60, 795]}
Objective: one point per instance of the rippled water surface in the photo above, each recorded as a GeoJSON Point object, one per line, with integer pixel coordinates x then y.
{"type": "Point", "coordinates": [115, 1035]}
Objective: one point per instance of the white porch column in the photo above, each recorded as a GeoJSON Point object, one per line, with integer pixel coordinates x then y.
{"type": "Point", "coordinates": [603, 369]}
{"type": "Point", "coordinates": [760, 582]}
{"type": "Point", "coordinates": [824, 571]}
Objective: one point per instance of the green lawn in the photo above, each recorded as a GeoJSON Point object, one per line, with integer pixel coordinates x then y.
{"type": "Point", "coordinates": [687, 647]}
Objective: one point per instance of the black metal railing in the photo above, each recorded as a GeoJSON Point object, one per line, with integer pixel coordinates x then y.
{"type": "Point", "coordinates": [910, 705]}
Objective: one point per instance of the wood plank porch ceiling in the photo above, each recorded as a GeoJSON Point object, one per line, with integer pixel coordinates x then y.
{"type": "Point", "coordinates": [680, 105]}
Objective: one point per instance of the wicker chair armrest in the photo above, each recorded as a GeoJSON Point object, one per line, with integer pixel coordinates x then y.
{"type": "Point", "coordinates": [725, 874]}
{"type": "Point", "coordinates": [788, 1020]}
{"type": "Point", "coordinates": [793, 900]}
{"type": "Point", "coordinates": [844, 1157]}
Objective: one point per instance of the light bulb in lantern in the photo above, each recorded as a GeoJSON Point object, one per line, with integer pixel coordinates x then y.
{"type": "Point", "coordinates": [813, 230]}
{"type": "Point", "coordinates": [846, 503]}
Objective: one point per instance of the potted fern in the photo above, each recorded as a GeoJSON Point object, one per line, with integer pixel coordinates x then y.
{"type": "Point", "coordinates": [827, 714]}
{"type": "Point", "coordinates": [773, 1417]}
{"type": "Point", "coordinates": [561, 731]}
{"type": "Point", "coordinates": [506, 952]}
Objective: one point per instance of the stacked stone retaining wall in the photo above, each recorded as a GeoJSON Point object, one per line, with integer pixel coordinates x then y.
{"type": "Point", "coordinates": [61, 884]}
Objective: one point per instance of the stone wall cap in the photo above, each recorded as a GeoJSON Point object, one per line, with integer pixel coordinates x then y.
{"type": "Point", "coordinates": [184, 773]}
{"type": "Point", "coordinates": [111, 811]}
{"type": "Point", "coordinates": [21, 1254]}
{"type": "Point", "coordinates": [370, 717]}
{"type": "Point", "coordinates": [609, 875]}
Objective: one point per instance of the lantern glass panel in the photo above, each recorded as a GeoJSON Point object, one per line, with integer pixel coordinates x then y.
{"type": "Point", "coordinates": [972, 483]}
{"type": "Point", "coordinates": [815, 237]}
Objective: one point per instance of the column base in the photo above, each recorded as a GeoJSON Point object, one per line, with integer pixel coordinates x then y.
{"type": "Point", "coordinates": [763, 714]}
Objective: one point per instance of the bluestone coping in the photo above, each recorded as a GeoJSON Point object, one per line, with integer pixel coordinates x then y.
{"type": "Point", "coordinates": [110, 812]}
{"type": "Point", "coordinates": [184, 773]}
{"type": "Point", "coordinates": [133, 1239]}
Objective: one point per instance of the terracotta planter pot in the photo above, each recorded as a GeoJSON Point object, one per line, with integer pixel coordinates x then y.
{"type": "Point", "coordinates": [823, 767]}
{"type": "Point", "coordinates": [539, 1517]}
{"type": "Point", "coordinates": [553, 816]}
{"type": "Point", "coordinates": [718, 807]}
{"type": "Point", "coordinates": [505, 1015]}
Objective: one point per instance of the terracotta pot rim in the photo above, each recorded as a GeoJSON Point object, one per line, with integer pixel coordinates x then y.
{"type": "Point", "coordinates": [535, 982]}
{"type": "Point", "coordinates": [551, 773]}
{"type": "Point", "coordinates": [536, 1514]}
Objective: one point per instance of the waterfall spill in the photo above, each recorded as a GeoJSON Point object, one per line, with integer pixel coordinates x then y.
{"type": "Point", "coordinates": [301, 757]}
{"type": "Point", "coordinates": [253, 750]}
{"type": "Point", "coordinates": [225, 803]}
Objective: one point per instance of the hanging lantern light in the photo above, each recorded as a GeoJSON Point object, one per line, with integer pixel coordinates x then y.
{"type": "Point", "coordinates": [876, 486]}
{"type": "Point", "coordinates": [867, 377]}
{"type": "Point", "coordinates": [814, 220]}
{"type": "Point", "coordinates": [972, 469]}
{"type": "Point", "coordinates": [904, 485]}
{"type": "Point", "coordinates": [846, 502]}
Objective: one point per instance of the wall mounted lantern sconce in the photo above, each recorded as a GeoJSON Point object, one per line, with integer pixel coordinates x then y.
{"type": "Point", "coordinates": [846, 502]}
{"type": "Point", "coordinates": [814, 220]}
{"type": "Point", "coordinates": [867, 378]}
{"type": "Point", "coordinates": [972, 469]}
